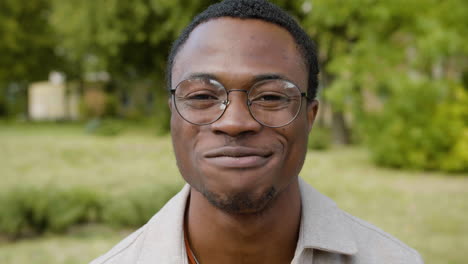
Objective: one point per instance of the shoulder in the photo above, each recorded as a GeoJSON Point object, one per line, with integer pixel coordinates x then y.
{"type": "Point", "coordinates": [338, 237]}
{"type": "Point", "coordinates": [160, 240]}
{"type": "Point", "coordinates": [377, 246]}
{"type": "Point", "coordinates": [126, 251]}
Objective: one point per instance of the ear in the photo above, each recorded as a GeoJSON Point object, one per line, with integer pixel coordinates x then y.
{"type": "Point", "coordinates": [312, 109]}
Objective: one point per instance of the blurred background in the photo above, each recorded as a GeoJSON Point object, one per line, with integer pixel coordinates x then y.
{"type": "Point", "coordinates": [85, 155]}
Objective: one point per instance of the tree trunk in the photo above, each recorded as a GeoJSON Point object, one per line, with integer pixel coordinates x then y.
{"type": "Point", "coordinates": [341, 132]}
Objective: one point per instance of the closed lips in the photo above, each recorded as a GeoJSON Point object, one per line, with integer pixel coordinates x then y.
{"type": "Point", "coordinates": [238, 157]}
{"type": "Point", "coordinates": [237, 152]}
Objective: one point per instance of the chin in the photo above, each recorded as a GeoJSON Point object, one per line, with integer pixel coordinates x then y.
{"type": "Point", "coordinates": [243, 202]}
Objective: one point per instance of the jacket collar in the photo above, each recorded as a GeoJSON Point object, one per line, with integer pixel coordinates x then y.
{"type": "Point", "coordinates": [164, 240]}
{"type": "Point", "coordinates": [323, 227]}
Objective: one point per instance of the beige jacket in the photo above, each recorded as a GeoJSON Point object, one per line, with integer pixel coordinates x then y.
{"type": "Point", "coordinates": [327, 235]}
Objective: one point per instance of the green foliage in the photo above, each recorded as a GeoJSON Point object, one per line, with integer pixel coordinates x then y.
{"type": "Point", "coordinates": [31, 211]}
{"type": "Point", "coordinates": [162, 114]}
{"type": "Point", "coordinates": [3, 104]}
{"type": "Point", "coordinates": [27, 49]}
{"type": "Point", "coordinates": [364, 47]}
{"type": "Point", "coordinates": [126, 39]}
{"type": "Point", "coordinates": [38, 154]}
{"type": "Point", "coordinates": [129, 40]}
{"type": "Point", "coordinates": [421, 128]}
{"type": "Point", "coordinates": [411, 65]}
{"type": "Point", "coordinates": [319, 138]}
{"type": "Point", "coordinates": [111, 106]}
{"type": "Point", "coordinates": [12, 218]}
{"type": "Point", "coordinates": [104, 127]}
{"type": "Point", "coordinates": [71, 207]}
{"type": "Point", "coordinates": [27, 45]}
{"type": "Point", "coordinates": [136, 208]}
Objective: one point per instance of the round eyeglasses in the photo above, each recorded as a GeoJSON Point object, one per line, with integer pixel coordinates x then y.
{"type": "Point", "coordinates": [272, 103]}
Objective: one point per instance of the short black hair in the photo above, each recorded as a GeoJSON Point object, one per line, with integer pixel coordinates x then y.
{"type": "Point", "coordinates": [255, 9]}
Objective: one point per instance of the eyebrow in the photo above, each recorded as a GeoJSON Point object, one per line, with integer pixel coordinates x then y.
{"type": "Point", "coordinates": [269, 76]}
{"type": "Point", "coordinates": [256, 78]}
{"type": "Point", "coordinates": [203, 75]}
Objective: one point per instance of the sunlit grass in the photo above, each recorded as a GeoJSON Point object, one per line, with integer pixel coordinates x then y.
{"type": "Point", "coordinates": [50, 155]}
{"type": "Point", "coordinates": [428, 211]}
{"type": "Point", "coordinates": [78, 247]}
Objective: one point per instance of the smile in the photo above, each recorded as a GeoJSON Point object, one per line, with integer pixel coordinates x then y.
{"type": "Point", "coordinates": [238, 157]}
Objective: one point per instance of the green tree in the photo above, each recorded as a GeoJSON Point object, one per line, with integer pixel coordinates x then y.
{"type": "Point", "coordinates": [393, 66]}
{"type": "Point", "coordinates": [128, 39]}
{"type": "Point", "coordinates": [26, 48]}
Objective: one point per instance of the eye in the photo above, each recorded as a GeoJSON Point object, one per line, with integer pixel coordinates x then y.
{"type": "Point", "coordinates": [202, 96]}
{"type": "Point", "coordinates": [271, 97]}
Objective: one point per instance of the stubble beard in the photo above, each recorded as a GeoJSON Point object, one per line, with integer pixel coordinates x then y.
{"type": "Point", "coordinates": [241, 202]}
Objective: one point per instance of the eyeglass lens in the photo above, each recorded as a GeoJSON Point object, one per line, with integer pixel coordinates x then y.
{"type": "Point", "coordinates": [272, 103]}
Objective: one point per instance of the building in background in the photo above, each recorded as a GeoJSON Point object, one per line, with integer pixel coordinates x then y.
{"type": "Point", "coordinates": [53, 100]}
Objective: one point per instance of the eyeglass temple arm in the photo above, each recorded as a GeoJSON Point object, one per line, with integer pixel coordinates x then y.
{"type": "Point", "coordinates": [306, 96]}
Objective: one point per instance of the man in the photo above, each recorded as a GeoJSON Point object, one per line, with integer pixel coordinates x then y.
{"type": "Point", "coordinates": [243, 78]}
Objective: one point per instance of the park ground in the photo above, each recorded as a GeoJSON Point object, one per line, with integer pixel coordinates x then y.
{"type": "Point", "coordinates": [426, 210]}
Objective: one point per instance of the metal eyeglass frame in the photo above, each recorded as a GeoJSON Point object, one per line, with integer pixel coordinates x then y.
{"type": "Point", "coordinates": [227, 101]}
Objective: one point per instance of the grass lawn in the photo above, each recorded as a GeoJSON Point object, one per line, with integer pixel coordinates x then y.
{"type": "Point", "coordinates": [428, 211]}
{"type": "Point", "coordinates": [65, 155]}
{"type": "Point", "coordinates": [77, 247]}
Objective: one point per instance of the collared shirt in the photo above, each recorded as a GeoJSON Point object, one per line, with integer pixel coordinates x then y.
{"type": "Point", "coordinates": [327, 235]}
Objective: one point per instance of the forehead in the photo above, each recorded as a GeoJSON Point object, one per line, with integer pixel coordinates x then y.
{"type": "Point", "coordinates": [234, 49]}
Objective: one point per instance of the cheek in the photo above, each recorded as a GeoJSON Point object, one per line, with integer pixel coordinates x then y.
{"type": "Point", "coordinates": [296, 147]}
{"type": "Point", "coordinates": [183, 136]}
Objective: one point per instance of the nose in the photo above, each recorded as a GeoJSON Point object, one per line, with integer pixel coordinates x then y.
{"type": "Point", "coordinates": [236, 119]}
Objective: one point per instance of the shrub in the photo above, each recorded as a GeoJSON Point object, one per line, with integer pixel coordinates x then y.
{"type": "Point", "coordinates": [3, 107]}
{"type": "Point", "coordinates": [33, 211]}
{"type": "Point", "coordinates": [319, 138]}
{"type": "Point", "coordinates": [71, 207]}
{"type": "Point", "coordinates": [422, 127]}
{"type": "Point", "coordinates": [12, 218]}
{"type": "Point", "coordinates": [137, 207]}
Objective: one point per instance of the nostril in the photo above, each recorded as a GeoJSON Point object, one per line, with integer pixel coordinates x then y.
{"type": "Point", "coordinates": [236, 119]}
{"type": "Point", "coordinates": [235, 122]}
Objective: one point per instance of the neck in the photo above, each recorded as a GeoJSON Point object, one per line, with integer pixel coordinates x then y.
{"type": "Point", "coordinates": [271, 236]}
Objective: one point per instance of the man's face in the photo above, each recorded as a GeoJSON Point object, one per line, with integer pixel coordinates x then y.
{"type": "Point", "coordinates": [238, 164]}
